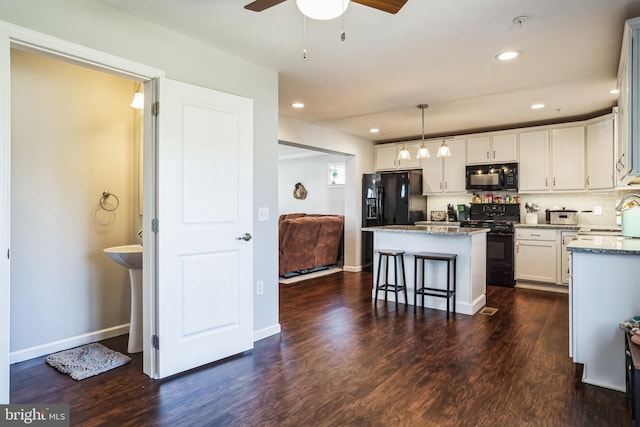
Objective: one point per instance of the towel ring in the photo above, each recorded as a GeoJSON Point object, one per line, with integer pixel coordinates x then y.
{"type": "Point", "coordinates": [103, 199]}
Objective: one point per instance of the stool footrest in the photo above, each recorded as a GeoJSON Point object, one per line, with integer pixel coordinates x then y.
{"type": "Point", "coordinates": [443, 293]}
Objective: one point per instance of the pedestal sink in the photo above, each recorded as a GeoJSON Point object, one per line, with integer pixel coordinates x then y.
{"type": "Point", "coordinates": [130, 257]}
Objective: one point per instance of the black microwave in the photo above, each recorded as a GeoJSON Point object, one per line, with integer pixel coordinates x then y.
{"type": "Point", "coordinates": [495, 177]}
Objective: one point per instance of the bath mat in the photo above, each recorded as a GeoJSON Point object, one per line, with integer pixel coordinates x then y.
{"type": "Point", "coordinates": [86, 361]}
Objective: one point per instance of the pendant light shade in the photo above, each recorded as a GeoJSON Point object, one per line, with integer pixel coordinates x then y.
{"type": "Point", "coordinates": [423, 152]}
{"type": "Point", "coordinates": [444, 151]}
{"type": "Point", "coordinates": [322, 9]}
{"type": "Point", "coordinates": [138, 99]}
{"type": "Point", "coordinates": [404, 154]}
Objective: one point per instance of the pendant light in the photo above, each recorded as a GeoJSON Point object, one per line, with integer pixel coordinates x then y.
{"type": "Point", "coordinates": [444, 151]}
{"type": "Point", "coordinates": [138, 99]}
{"type": "Point", "coordinates": [423, 152]}
{"type": "Point", "coordinates": [404, 154]}
{"type": "Point", "coordinates": [322, 9]}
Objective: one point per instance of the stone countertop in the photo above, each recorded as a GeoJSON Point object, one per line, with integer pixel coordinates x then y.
{"type": "Point", "coordinates": [549, 226]}
{"type": "Point", "coordinates": [439, 223]}
{"type": "Point", "coordinates": [613, 244]}
{"type": "Point", "coordinates": [428, 229]}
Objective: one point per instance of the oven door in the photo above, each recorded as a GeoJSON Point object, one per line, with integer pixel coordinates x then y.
{"type": "Point", "coordinates": [500, 260]}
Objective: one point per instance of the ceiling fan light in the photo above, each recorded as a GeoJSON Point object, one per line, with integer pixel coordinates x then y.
{"type": "Point", "coordinates": [423, 153]}
{"type": "Point", "coordinates": [322, 9]}
{"type": "Point", "coordinates": [444, 151]}
{"type": "Point", "coordinates": [404, 154]}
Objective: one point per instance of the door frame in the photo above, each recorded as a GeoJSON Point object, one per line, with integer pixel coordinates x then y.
{"type": "Point", "coordinates": [13, 36]}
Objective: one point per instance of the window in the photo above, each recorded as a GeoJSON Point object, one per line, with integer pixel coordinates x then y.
{"type": "Point", "coordinates": [336, 174]}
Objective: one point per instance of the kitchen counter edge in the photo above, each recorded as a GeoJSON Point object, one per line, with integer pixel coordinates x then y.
{"type": "Point", "coordinates": [428, 229]}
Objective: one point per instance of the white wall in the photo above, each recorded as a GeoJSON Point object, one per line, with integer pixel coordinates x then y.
{"type": "Point", "coordinates": [101, 27]}
{"type": "Point", "coordinates": [312, 171]}
{"type": "Point", "coordinates": [72, 139]}
{"type": "Point", "coordinates": [360, 162]}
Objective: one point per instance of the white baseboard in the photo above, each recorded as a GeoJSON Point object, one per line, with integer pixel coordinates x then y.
{"type": "Point", "coordinates": [352, 269]}
{"type": "Point", "coordinates": [266, 332]}
{"type": "Point", "coordinates": [52, 347]}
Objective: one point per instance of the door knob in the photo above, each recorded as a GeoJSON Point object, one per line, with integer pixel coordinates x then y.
{"type": "Point", "coordinates": [246, 237]}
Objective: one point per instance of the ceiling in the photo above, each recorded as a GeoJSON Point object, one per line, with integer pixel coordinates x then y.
{"type": "Point", "coordinates": [440, 53]}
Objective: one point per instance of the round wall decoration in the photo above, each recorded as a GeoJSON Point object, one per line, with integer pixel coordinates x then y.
{"type": "Point", "coordinates": [299, 192]}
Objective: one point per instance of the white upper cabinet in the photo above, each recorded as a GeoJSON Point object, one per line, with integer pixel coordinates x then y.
{"type": "Point", "coordinates": [505, 148]}
{"type": "Point", "coordinates": [533, 172]}
{"type": "Point", "coordinates": [444, 174]}
{"type": "Point", "coordinates": [492, 149]}
{"type": "Point", "coordinates": [387, 157]}
{"type": "Point", "coordinates": [627, 158]}
{"type": "Point", "coordinates": [568, 158]}
{"type": "Point", "coordinates": [600, 155]}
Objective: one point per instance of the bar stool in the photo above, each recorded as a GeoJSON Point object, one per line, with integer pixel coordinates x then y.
{"type": "Point", "coordinates": [449, 292]}
{"type": "Point", "coordinates": [398, 263]}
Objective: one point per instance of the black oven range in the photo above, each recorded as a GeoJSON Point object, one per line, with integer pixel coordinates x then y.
{"type": "Point", "coordinates": [499, 219]}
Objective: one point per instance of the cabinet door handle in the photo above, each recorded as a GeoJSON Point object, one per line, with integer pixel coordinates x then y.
{"type": "Point", "coordinates": [546, 182]}
{"type": "Point", "coordinates": [441, 185]}
{"type": "Point", "coordinates": [517, 247]}
{"type": "Point", "coordinates": [587, 182]}
{"type": "Point", "coordinates": [445, 185]}
{"type": "Point", "coordinates": [494, 154]}
{"type": "Point", "coordinates": [487, 155]}
{"type": "Point", "coordinates": [554, 181]}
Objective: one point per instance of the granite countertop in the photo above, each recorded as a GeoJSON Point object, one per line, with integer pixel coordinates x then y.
{"type": "Point", "coordinates": [428, 229]}
{"type": "Point", "coordinates": [612, 243]}
{"type": "Point", "coordinates": [549, 226]}
{"type": "Point", "coordinates": [439, 223]}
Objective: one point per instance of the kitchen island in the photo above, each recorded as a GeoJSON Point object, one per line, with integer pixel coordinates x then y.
{"type": "Point", "coordinates": [469, 244]}
{"type": "Point", "coordinates": [604, 290]}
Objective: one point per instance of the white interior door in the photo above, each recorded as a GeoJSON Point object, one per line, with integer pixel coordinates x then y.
{"type": "Point", "coordinates": [5, 209]}
{"type": "Point", "coordinates": [204, 205]}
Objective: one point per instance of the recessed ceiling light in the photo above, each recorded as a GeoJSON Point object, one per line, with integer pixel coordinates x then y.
{"type": "Point", "coordinates": [297, 105]}
{"type": "Point", "coordinates": [374, 130]}
{"type": "Point", "coordinates": [614, 91]}
{"type": "Point", "coordinates": [537, 106]}
{"type": "Point", "coordinates": [508, 55]}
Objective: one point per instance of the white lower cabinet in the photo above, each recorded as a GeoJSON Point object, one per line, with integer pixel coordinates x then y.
{"type": "Point", "coordinates": [536, 255]}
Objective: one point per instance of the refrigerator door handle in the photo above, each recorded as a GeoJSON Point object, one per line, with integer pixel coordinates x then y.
{"type": "Point", "coordinates": [380, 206]}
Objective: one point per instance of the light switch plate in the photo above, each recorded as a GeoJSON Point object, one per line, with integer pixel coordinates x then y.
{"type": "Point", "coordinates": [263, 214]}
{"type": "Point", "coordinates": [597, 210]}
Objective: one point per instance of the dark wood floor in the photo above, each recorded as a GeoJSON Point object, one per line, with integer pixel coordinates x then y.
{"type": "Point", "coordinates": [340, 361]}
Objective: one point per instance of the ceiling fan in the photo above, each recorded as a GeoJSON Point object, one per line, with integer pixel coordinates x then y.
{"type": "Point", "coordinates": [389, 6]}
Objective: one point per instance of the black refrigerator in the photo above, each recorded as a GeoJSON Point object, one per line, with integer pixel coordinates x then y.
{"type": "Point", "coordinates": [390, 198]}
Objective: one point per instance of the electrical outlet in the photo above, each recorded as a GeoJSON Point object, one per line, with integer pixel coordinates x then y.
{"type": "Point", "coordinates": [263, 214]}
{"type": "Point", "coordinates": [597, 210]}
{"type": "Point", "coordinates": [259, 287]}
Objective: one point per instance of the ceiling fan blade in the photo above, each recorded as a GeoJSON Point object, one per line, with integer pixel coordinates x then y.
{"type": "Point", "coordinates": [389, 6]}
{"type": "Point", "coordinates": [260, 5]}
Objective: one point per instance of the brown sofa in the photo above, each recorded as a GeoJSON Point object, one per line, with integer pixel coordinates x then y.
{"type": "Point", "coordinates": [309, 241]}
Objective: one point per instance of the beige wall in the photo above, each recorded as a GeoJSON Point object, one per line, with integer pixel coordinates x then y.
{"type": "Point", "coordinates": [72, 139]}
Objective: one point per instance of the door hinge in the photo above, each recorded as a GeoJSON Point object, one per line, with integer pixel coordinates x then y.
{"type": "Point", "coordinates": [8, 257]}
{"type": "Point", "coordinates": [155, 342]}
{"type": "Point", "coordinates": [155, 108]}
{"type": "Point", "coordinates": [154, 225]}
